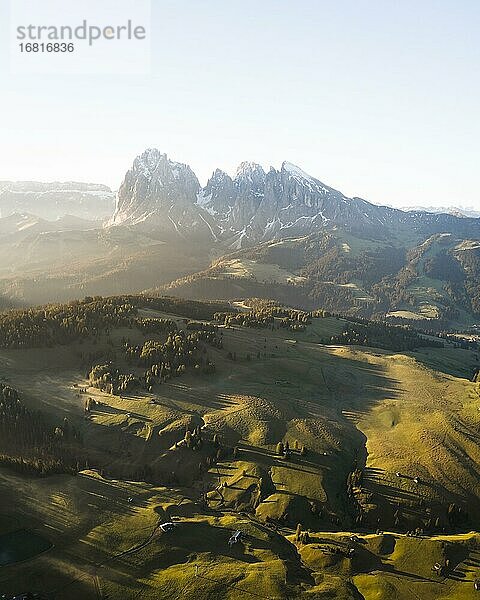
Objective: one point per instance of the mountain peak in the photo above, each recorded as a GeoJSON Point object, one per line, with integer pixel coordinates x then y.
{"type": "Point", "coordinates": [295, 171]}
{"type": "Point", "coordinates": [159, 193]}
{"type": "Point", "coordinates": [153, 164]}
{"type": "Point", "coordinates": [219, 175]}
{"type": "Point", "coordinates": [148, 160]}
{"type": "Point", "coordinates": [249, 169]}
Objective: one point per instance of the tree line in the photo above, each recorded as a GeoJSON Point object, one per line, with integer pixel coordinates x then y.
{"type": "Point", "coordinates": [54, 324]}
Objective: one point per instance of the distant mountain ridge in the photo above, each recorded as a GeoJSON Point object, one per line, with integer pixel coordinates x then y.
{"type": "Point", "coordinates": [51, 201]}
{"type": "Point", "coordinates": [279, 234]}
{"type": "Point", "coordinates": [165, 196]}
{"type": "Point", "coordinates": [459, 211]}
{"type": "Point", "coordinates": [256, 206]}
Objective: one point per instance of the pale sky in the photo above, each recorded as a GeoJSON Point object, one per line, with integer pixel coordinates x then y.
{"type": "Point", "coordinates": [377, 98]}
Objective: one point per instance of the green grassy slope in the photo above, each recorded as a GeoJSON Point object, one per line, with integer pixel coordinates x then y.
{"type": "Point", "coordinates": [382, 412]}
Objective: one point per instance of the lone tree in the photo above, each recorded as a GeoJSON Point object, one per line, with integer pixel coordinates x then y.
{"type": "Point", "coordinates": [298, 532]}
{"type": "Point", "coordinates": [280, 449]}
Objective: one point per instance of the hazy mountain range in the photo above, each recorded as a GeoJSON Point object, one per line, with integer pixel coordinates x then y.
{"type": "Point", "coordinates": [459, 211]}
{"type": "Point", "coordinates": [279, 233]}
{"type": "Point", "coordinates": [54, 200]}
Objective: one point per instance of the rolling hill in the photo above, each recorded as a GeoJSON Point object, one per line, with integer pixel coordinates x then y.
{"type": "Point", "coordinates": [344, 451]}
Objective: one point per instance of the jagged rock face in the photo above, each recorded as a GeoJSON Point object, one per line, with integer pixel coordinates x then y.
{"type": "Point", "coordinates": [255, 206]}
{"type": "Point", "coordinates": [160, 194]}
{"type": "Point", "coordinates": [218, 196]}
{"type": "Point", "coordinates": [233, 203]}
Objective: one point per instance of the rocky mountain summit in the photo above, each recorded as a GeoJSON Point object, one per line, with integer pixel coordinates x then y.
{"type": "Point", "coordinates": [160, 195]}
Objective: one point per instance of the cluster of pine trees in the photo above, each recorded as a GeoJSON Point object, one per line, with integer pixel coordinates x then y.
{"type": "Point", "coordinates": [284, 450]}
{"type": "Point", "coordinates": [180, 348]}
{"type": "Point", "coordinates": [381, 335]}
{"type": "Point", "coordinates": [109, 379]}
{"type": "Point", "coordinates": [154, 325]}
{"type": "Point", "coordinates": [64, 323]}
{"type": "Point", "coordinates": [162, 360]}
{"type": "Point", "coordinates": [29, 444]}
{"type": "Point", "coordinates": [265, 316]}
